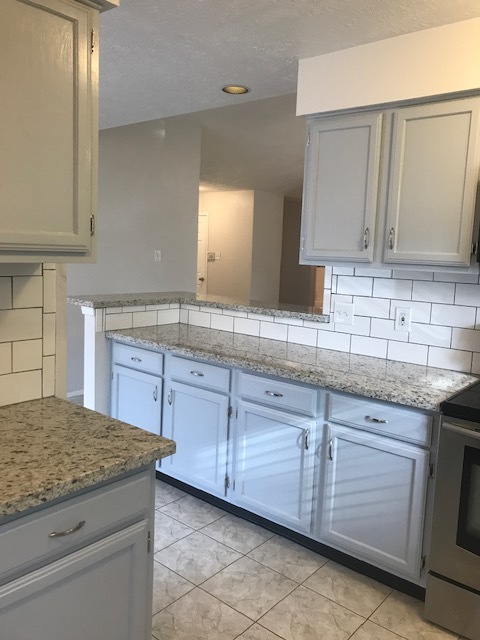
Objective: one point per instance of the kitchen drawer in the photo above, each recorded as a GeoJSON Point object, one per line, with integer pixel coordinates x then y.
{"type": "Point", "coordinates": [135, 358]}
{"type": "Point", "coordinates": [199, 373]}
{"type": "Point", "coordinates": [389, 420]}
{"type": "Point", "coordinates": [26, 540]}
{"type": "Point", "coordinates": [285, 395]}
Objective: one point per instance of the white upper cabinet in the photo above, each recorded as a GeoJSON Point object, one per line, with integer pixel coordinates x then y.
{"type": "Point", "coordinates": [341, 188]}
{"type": "Point", "coordinates": [48, 137]}
{"type": "Point", "coordinates": [401, 193]}
{"type": "Point", "coordinates": [432, 184]}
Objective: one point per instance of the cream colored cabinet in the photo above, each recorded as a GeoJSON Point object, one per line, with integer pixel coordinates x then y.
{"type": "Point", "coordinates": [48, 136]}
{"type": "Point", "coordinates": [401, 192]}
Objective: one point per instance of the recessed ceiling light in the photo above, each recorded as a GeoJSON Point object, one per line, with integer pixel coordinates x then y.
{"type": "Point", "coordinates": [235, 89]}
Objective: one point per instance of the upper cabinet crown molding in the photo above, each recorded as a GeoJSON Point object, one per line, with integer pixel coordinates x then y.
{"type": "Point", "coordinates": [401, 193]}
{"type": "Point", "coordinates": [49, 135]}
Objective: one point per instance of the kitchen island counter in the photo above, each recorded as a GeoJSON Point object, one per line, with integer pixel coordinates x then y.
{"type": "Point", "coordinates": [51, 448]}
{"type": "Point", "coordinates": [406, 384]}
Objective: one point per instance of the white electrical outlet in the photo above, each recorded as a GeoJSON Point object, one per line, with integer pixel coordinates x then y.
{"type": "Point", "coordinates": [343, 313]}
{"type": "Point", "coordinates": [403, 319]}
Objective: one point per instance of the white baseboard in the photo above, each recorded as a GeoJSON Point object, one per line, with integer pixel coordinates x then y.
{"type": "Point", "coordinates": [74, 394]}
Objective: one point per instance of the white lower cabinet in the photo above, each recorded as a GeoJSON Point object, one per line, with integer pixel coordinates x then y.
{"type": "Point", "coordinates": [197, 419]}
{"type": "Point", "coordinates": [373, 500]}
{"type": "Point", "coordinates": [273, 465]}
{"type": "Point", "coordinates": [82, 568]}
{"type": "Point", "coordinates": [137, 398]}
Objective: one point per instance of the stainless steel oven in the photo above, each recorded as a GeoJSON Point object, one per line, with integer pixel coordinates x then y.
{"type": "Point", "coordinates": [453, 583]}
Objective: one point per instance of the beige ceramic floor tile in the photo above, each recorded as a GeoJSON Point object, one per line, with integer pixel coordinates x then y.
{"type": "Point", "coordinates": [403, 615]}
{"type": "Point", "coordinates": [168, 530]}
{"type": "Point", "coordinates": [199, 616]}
{"type": "Point", "coordinates": [348, 588]}
{"type": "Point", "coordinates": [288, 558]}
{"type": "Point", "coordinates": [371, 631]}
{"type": "Point", "coordinates": [249, 587]}
{"type": "Point", "coordinates": [241, 535]}
{"type": "Point", "coordinates": [167, 587]}
{"type": "Point", "coordinates": [166, 493]}
{"type": "Point", "coordinates": [193, 512]}
{"type": "Point", "coordinates": [256, 632]}
{"type": "Point", "coordinates": [197, 557]}
{"type": "Point", "coordinates": [306, 615]}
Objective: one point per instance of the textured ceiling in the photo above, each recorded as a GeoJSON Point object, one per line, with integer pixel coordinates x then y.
{"type": "Point", "coordinates": [166, 57]}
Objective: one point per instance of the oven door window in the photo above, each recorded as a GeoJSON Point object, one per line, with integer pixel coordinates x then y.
{"type": "Point", "coordinates": [468, 531]}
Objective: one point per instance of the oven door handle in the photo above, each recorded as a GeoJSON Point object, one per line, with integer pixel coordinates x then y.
{"type": "Point", "coordinates": [467, 433]}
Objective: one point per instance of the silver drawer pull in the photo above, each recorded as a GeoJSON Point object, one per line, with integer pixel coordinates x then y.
{"type": "Point", "coordinates": [274, 394]}
{"type": "Point", "coordinates": [155, 393]}
{"type": "Point", "coordinates": [135, 359]}
{"type": "Point", "coordinates": [199, 374]}
{"type": "Point", "coordinates": [376, 420]}
{"type": "Point", "coordinates": [67, 532]}
{"type": "Point", "coordinates": [330, 449]}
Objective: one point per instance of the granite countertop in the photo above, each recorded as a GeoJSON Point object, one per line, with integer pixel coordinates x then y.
{"type": "Point", "coordinates": [107, 300]}
{"type": "Point", "coordinates": [405, 384]}
{"type": "Point", "coordinates": [50, 448]}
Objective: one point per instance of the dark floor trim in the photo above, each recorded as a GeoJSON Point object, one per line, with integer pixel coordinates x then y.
{"type": "Point", "coordinates": [400, 584]}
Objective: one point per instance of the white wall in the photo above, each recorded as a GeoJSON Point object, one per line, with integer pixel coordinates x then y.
{"type": "Point", "coordinates": [148, 199]}
{"type": "Point", "coordinates": [425, 63]}
{"type": "Point", "coordinates": [230, 226]}
{"type": "Point", "coordinates": [267, 246]}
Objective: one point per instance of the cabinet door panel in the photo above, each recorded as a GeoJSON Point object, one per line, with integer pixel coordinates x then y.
{"type": "Point", "coordinates": [96, 593]}
{"type": "Point", "coordinates": [197, 420]}
{"type": "Point", "coordinates": [46, 133]}
{"type": "Point", "coordinates": [136, 398]}
{"type": "Point", "coordinates": [273, 468]}
{"type": "Point", "coordinates": [432, 186]}
{"type": "Point", "coordinates": [374, 499]}
{"type": "Point", "coordinates": [341, 187]}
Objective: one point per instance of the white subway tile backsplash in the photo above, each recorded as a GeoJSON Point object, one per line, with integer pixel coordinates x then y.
{"type": "Point", "coordinates": [134, 308]}
{"type": "Point", "coordinates": [476, 363]}
{"type": "Point", "coordinates": [374, 273]}
{"type": "Point", "coordinates": [19, 387]}
{"type": "Point", "coordinates": [466, 339]}
{"type": "Point", "coordinates": [343, 271]}
{"type": "Point", "coordinates": [20, 324]}
{"type": "Point", "coordinates": [421, 311]}
{"type": "Point", "coordinates": [442, 292]}
{"type": "Point", "coordinates": [411, 274]}
{"type": "Point", "coordinates": [246, 326]}
{"type": "Point", "coordinates": [235, 314]}
{"type": "Point", "coordinates": [49, 292]}
{"type": "Point", "coordinates": [339, 298]}
{"type": "Point", "coordinates": [354, 286]}
{"type": "Point", "coordinates": [301, 335]}
{"type": "Point", "coordinates": [109, 310]}
{"type": "Point", "coordinates": [373, 307]}
{"type": "Point", "coordinates": [327, 282]}
{"type": "Point", "coordinates": [332, 340]}
{"type": "Point", "coordinates": [431, 335]}
{"type": "Point", "coordinates": [144, 318]}
{"type": "Point", "coordinates": [468, 295]}
{"type": "Point", "coordinates": [400, 289]}
{"type": "Point", "coordinates": [119, 321]}
{"type": "Point", "coordinates": [364, 346]}
{"type": "Point", "coordinates": [5, 293]}
{"type": "Point", "coordinates": [386, 329]}
{"type": "Point", "coordinates": [198, 318]}
{"type": "Point", "coordinates": [27, 355]}
{"type": "Point", "coordinates": [407, 352]}
{"type": "Point", "coordinates": [261, 317]}
{"type": "Point", "coordinates": [183, 316]}
{"type": "Point", "coordinates": [274, 331]}
{"type": "Point", "coordinates": [360, 326]}
{"type": "Point", "coordinates": [28, 292]}
{"type": "Point", "coordinates": [466, 278]}
{"type": "Point", "coordinates": [157, 307]}
{"type": "Point", "coordinates": [453, 315]}
{"type": "Point", "coordinates": [297, 322]}
{"type": "Point", "coordinates": [449, 359]}
{"type": "Point", "coordinates": [5, 357]}
{"type": "Point", "coordinates": [221, 322]}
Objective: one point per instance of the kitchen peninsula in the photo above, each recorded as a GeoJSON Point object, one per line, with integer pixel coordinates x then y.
{"type": "Point", "coordinates": [76, 505]}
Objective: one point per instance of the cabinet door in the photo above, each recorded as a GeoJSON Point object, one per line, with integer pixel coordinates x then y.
{"type": "Point", "coordinates": [340, 188]}
{"type": "Point", "coordinates": [136, 398]}
{"type": "Point", "coordinates": [273, 465]}
{"type": "Point", "coordinates": [48, 155]}
{"type": "Point", "coordinates": [374, 499]}
{"type": "Point", "coordinates": [432, 184]}
{"type": "Point", "coordinates": [98, 592]}
{"type": "Point", "coordinates": [197, 420]}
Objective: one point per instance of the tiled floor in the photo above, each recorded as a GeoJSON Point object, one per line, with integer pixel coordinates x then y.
{"type": "Point", "coordinates": [218, 577]}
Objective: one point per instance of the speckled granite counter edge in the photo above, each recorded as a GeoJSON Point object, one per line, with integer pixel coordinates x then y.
{"type": "Point", "coordinates": [129, 300]}
{"type": "Point", "coordinates": [398, 392]}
